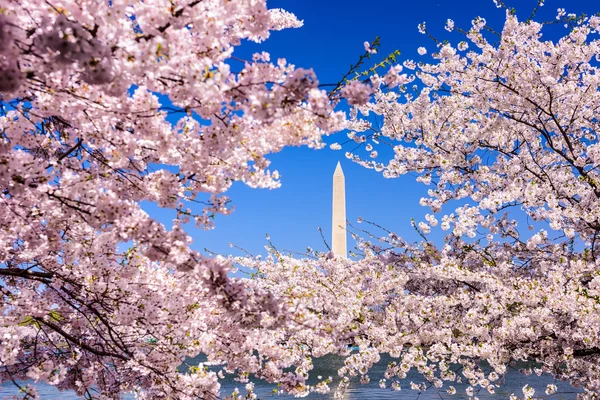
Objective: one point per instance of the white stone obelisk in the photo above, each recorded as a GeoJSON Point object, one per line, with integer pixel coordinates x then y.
{"type": "Point", "coordinates": [338, 217]}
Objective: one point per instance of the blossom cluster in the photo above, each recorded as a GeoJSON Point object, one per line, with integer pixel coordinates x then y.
{"type": "Point", "coordinates": [504, 132]}
{"type": "Point", "coordinates": [105, 106]}
{"type": "Point", "coordinates": [460, 315]}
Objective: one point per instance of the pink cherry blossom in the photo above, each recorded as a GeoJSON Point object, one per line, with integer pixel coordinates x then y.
{"type": "Point", "coordinates": [97, 294]}
{"type": "Point", "coordinates": [100, 296]}
{"type": "Point", "coordinates": [357, 93]}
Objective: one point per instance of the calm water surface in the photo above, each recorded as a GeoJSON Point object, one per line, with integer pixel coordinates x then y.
{"type": "Point", "coordinates": [327, 366]}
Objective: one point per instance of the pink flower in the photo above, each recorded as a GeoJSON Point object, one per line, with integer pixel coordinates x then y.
{"type": "Point", "coordinates": [369, 49]}
{"type": "Point", "coordinates": [357, 93]}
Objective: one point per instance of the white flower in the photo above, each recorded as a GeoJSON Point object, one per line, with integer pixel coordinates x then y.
{"type": "Point", "coordinates": [528, 391]}
{"type": "Point", "coordinates": [424, 227]}
{"type": "Point", "coordinates": [551, 389]}
{"type": "Point", "coordinates": [369, 49]}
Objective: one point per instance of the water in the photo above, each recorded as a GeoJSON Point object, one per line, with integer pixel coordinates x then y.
{"type": "Point", "coordinates": [513, 382]}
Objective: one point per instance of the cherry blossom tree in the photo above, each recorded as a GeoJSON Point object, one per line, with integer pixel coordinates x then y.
{"type": "Point", "coordinates": [105, 105]}
{"type": "Point", "coordinates": [504, 130]}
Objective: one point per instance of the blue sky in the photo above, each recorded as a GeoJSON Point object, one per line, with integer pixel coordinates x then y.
{"type": "Point", "coordinates": [330, 41]}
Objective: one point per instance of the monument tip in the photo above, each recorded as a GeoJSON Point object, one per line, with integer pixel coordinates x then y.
{"type": "Point", "coordinates": [338, 169]}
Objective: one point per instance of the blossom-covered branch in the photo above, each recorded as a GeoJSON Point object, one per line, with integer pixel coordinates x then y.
{"type": "Point", "coordinates": [105, 105]}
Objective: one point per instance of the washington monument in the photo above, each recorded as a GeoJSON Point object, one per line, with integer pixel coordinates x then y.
{"type": "Point", "coordinates": [338, 217]}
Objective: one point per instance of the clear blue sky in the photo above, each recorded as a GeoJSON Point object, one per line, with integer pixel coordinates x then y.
{"type": "Point", "coordinates": [330, 40]}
